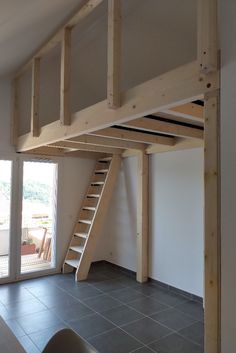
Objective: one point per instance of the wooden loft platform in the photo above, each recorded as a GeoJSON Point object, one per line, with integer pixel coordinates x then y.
{"type": "Point", "coordinates": [164, 113]}
{"type": "Point", "coordinates": [138, 124]}
{"type": "Point", "coordinates": [150, 134]}
{"type": "Point", "coordinates": [177, 110]}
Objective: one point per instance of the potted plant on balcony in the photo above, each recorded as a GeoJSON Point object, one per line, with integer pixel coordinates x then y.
{"type": "Point", "coordinates": [28, 247]}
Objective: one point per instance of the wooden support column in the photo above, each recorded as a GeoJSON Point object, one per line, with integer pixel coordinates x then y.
{"type": "Point", "coordinates": [65, 111]}
{"type": "Point", "coordinates": [15, 113]}
{"type": "Point", "coordinates": [212, 224]}
{"type": "Point", "coordinates": [207, 35]}
{"type": "Point", "coordinates": [35, 97]}
{"type": "Point", "coordinates": [114, 53]}
{"type": "Point", "coordinates": [142, 217]}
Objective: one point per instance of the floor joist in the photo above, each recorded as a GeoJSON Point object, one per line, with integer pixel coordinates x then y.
{"type": "Point", "coordinates": [108, 142]}
{"type": "Point", "coordinates": [85, 147]}
{"type": "Point", "coordinates": [191, 111]}
{"type": "Point", "coordinates": [120, 133]}
{"type": "Point", "coordinates": [166, 127]}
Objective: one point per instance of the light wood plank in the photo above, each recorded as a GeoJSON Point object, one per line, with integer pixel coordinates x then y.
{"type": "Point", "coordinates": [84, 8]}
{"type": "Point", "coordinates": [65, 111]}
{"type": "Point", "coordinates": [181, 144]}
{"type": "Point", "coordinates": [191, 111]}
{"type": "Point", "coordinates": [165, 127]}
{"type": "Point", "coordinates": [175, 87]}
{"type": "Point", "coordinates": [35, 130]}
{"type": "Point", "coordinates": [142, 218]}
{"type": "Point", "coordinates": [76, 146]}
{"type": "Point", "coordinates": [47, 151]}
{"type": "Point", "coordinates": [207, 35]}
{"type": "Point", "coordinates": [137, 136]}
{"type": "Point", "coordinates": [108, 142]}
{"type": "Point", "coordinates": [212, 225]}
{"type": "Point", "coordinates": [114, 54]}
{"type": "Point", "coordinates": [14, 113]}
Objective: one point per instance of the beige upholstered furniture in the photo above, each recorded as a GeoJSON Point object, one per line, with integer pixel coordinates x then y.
{"type": "Point", "coordinates": [8, 342]}
{"type": "Point", "coordinates": [67, 341]}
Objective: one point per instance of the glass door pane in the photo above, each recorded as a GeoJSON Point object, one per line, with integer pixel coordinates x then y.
{"type": "Point", "coordinates": [38, 216]}
{"type": "Point", "coordinates": [5, 215]}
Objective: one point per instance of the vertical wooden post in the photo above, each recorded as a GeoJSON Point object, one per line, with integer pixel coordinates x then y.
{"type": "Point", "coordinates": [114, 54]}
{"type": "Point", "coordinates": [212, 224]}
{"type": "Point", "coordinates": [65, 111]}
{"type": "Point", "coordinates": [15, 113]}
{"type": "Point", "coordinates": [207, 35]}
{"type": "Point", "coordinates": [142, 217]}
{"type": "Point", "coordinates": [35, 97]}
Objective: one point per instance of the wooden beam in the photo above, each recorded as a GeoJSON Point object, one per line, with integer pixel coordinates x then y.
{"type": "Point", "coordinates": [86, 147]}
{"type": "Point", "coordinates": [47, 151]}
{"type": "Point", "coordinates": [14, 113]}
{"type": "Point", "coordinates": [180, 144]}
{"type": "Point", "coordinates": [108, 142]}
{"type": "Point", "coordinates": [212, 225]}
{"type": "Point", "coordinates": [65, 111]}
{"type": "Point", "coordinates": [142, 218]}
{"type": "Point", "coordinates": [207, 36]}
{"type": "Point", "coordinates": [35, 129]}
{"type": "Point", "coordinates": [191, 111]}
{"type": "Point", "coordinates": [84, 9]}
{"type": "Point", "coordinates": [165, 127]}
{"type": "Point", "coordinates": [114, 54]}
{"type": "Point", "coordinates": [137, 136]}
{"type": "Point", "coordinates": [178, 86]}
{"type": "Point", "coordinates": [84, 154]}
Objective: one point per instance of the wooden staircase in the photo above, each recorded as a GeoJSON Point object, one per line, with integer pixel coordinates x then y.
{"type": "Point", "coordinates": [91, 217]}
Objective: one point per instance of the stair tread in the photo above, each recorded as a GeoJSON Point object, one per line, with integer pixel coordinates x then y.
{"type": "Point", "coordinates": [105, 159]}
{"type": "Point", "coordinates": [93, 195]}
{"type": "Point", "coordinates": [74, 263]}
{"type": "Point", "coordinates": [78, 248]}
{"type": "Point", "coordinates": [89, 208]}
{"type": "Point", "coordinates": [87, 221]}
{"type": "Point", "coordinates": [82, 235]}
{"type": "Point", "coordinates": [97, 182]}
{"type": "Point", "coordinates": [101, 170]}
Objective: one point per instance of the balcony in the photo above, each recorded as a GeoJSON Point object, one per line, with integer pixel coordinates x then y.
{"type": "Point", "coordinates": [35, 250]}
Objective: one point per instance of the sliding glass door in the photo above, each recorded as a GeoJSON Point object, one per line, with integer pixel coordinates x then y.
{"type": "Point", "coordinates": [5, 216]}
{"type": "Point", "coordinates": [38, 216]}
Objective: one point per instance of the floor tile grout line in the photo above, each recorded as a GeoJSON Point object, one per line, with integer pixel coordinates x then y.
{"type": "Point", "coordinates": [124, 304]}
{"type": "Point", "coordinates": [118, 327]}
{"type": "Point", "coordinates": [100, 313]}
{"type": "Point", "coordinates": [121, 303]}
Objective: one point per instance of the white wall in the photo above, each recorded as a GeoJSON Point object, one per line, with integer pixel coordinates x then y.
{"type": "Point", "coordinates": [228, 174]}
{"type": "Point", "coordinates": [176, 226]}
{"type": "Point", "coordinates": [176, 219]}
{"type": "Point", "coordinates": [120, 228]}
{"type": "Point", "coordinates": [165, 32]}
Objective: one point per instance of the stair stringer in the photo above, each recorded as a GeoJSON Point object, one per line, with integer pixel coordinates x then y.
{"type": "Point", "coordinates": [99, 219]}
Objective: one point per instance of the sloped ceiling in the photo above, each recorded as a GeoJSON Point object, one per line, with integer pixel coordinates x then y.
{"type": "Point", "coordinates": [25, 24]}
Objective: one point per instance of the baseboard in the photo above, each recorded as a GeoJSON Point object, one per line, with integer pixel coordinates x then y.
{"type": "Point", "coordinates": [154, 282]}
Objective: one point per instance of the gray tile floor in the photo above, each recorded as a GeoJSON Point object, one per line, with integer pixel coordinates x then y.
{"type": "Point", "coordinates": [110, 310]}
